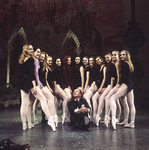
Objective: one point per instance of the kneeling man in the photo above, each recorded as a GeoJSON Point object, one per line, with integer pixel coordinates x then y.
{"type": "Point", "coordinates": [79, 111]}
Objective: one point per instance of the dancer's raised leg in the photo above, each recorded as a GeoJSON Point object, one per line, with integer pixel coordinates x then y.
{"type": "Point", "coordinates": [121, 91]}
{"type": "Point", "coordinates": [65, 98]}
{"type": "Point", "coordinates": [39, 95]}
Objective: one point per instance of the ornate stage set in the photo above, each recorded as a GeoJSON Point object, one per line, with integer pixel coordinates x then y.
{"type": "Point", "coordinates": [60, 27]}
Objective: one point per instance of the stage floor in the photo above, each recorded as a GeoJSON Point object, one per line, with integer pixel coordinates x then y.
{"type": "Point", "coordinates": [43, 138]}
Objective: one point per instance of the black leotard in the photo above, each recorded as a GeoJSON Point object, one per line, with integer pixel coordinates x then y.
{"type": "Point", "coordinates": [50, 78]}
{"type": "Point", "coordinates": [99, 76]}
{"type": "Point", "coordinates": [87, 69]}
{"type": "Point", "coordinates": [125, 75]}
{"type": "Point", "coordinates": [68, 77]}
{"type": "Point", "coordinates": [27, 74]}
{"type": "Point", "coordinates": [92, 75]}
{"type": "Point", "coordinates": [42, 75]}
{"type": "Point", "coordinates": [77, 77]}
{"type": "Point", "coordinates": [58, 75]}
{"type": "Point", "coordinates": [111, 72]}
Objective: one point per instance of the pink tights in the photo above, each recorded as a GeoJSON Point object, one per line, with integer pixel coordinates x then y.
{"type": "Point", "coordinates": [25, 98]}
{"type": "Point", "coordinates": [64, 96]}
{"type": "Point", "coordinates": [130, 98]}
{"type": "Point", "coordinates": [89, 93]}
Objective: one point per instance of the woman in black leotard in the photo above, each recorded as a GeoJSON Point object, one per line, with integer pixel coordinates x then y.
{"type": "Point", "coordinates": [78, 74]}
{"type": "Point", "coordinates": [50, 74]}
{"type": "Point", "coordinates": [58, 75]}
{"type": "Point", "coordinates": [28, 84]}
{"type": "Point", "coordinates": [86, 73]}
{"type": "Point", "coordinates": [50, 84]}
{"type": "Point", "coordinates": [92, 82]}
{"type": "Point", "coordinates": [112, 80]}
{"type": "Point", "coordinates": [58, 86]}
{"type": "Point", "coordinates": [86, 67]}
{"type": "Point", "coordinates": [100, 80]}
{"type": "Point", "coordinates": [68, 78]}
{"type": "Point", "coordinates": [125, 86]}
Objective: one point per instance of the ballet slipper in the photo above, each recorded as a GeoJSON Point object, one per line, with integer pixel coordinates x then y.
{"type": "Point", "coordinates": [97, 120]}
{"type": "Point", "coordinates": [114, 121]}
{"type": "Point", "coordinates": [24, 127]}
{"type": "Point", "coordinates": [51, 123]}
{"type": "Point", "coordinates": [130, 125]}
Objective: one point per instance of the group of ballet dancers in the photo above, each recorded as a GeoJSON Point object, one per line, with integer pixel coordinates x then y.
{"type": "Point", "coordinates": [103, 82]}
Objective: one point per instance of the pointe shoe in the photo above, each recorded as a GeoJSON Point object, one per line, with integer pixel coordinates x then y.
{"type": "Point", "coordinates": [130, 125]}
{"type": "Point", "coordinates": [114, 121]}
{"type": "Point", "coordinates": [56, 120]}
{"type": "Point", "coordinates": [24, 127]}
{"type": "Point", "coordinates": [97, 120]}
{"type": "Point", "coordinates": [51, 123]}
{"type": "Point", "coordinates": [125, 122]}
{"type": "Point", "coordinates": [94, 119]}
{"type": "Point", "coordinates": [30, 126]}
{"type": "Point", "coordinates": [107, 120]}
{"type": "Point", "coordinates": [63, 118]}
{"type": "Point", "coordinates": [36, 122]}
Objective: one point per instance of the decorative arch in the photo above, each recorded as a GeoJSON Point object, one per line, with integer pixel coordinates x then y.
{"type": "Point", "coordinates": [69, 35]}
{"type": "Point", "coordinates": [9, 48]}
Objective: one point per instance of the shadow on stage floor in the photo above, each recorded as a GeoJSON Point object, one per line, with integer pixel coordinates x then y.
{"type": "Point", "coordinates": [43, 138]}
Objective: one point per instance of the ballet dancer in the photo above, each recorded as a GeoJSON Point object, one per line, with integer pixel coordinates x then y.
{"type": "Point", "coordinates": [50, 85]}
{"type": "Point", "coordinates": [58, 86]}
{"type": "Point", "coordinates": [68, 75]}
{"type": "Point", "coordinates": [37, 62]}
{"type": "Point", "coordinates": [86, 67]}
{"type": "Point", "coordinates": [28, 86]}
{"type": "Point", "coordinates": [68, 78]}
{"type": "Point", "coordinates": [100, 79]}
{"type": "Point", "coordinates": [92, 82]}
{"type": "Point", "coordinates": [33, 101]}
{"type": "Point", "coordinates": [112, 80]}
{"type": "Point", "coordinates": [47, 93]}
{"type": "Point", "coordinates": [78, 74]}
{"type": "Point", "coordinates": [126, 87]}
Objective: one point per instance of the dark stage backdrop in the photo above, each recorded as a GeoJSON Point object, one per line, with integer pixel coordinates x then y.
{"type": "Point", "coordinates": [96, 24]}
